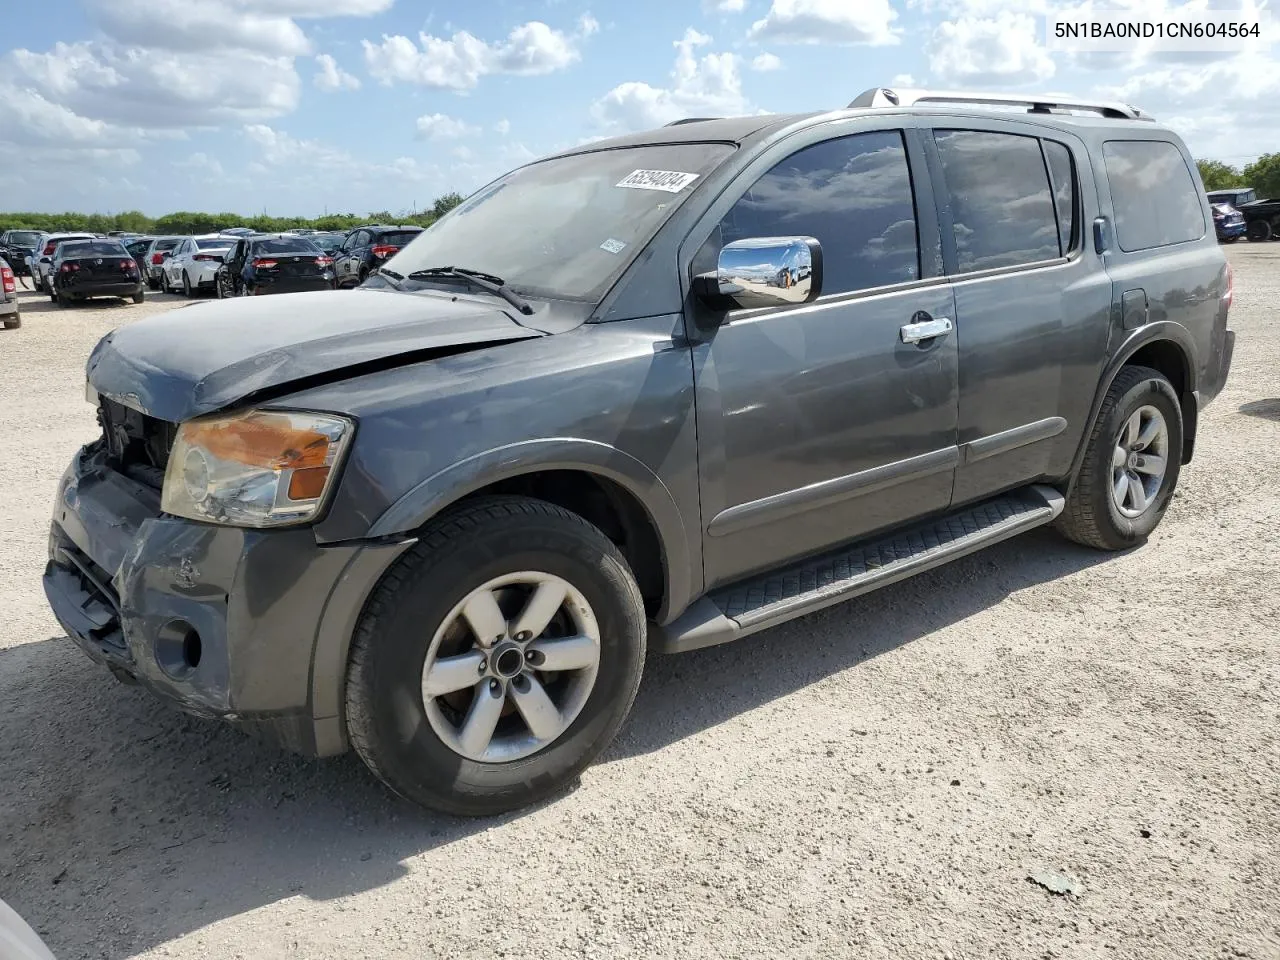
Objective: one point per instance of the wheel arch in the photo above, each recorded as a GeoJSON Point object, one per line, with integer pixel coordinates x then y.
{"type": "Point", "coordinates": [1167, 348]}
{"type": "Point", "coordinates": [606, 486]}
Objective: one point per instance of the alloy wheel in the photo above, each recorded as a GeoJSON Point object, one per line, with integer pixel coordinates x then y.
{"type": "Point", "coordinates": [1139, 462]}
{"type": "Point", "coordinates": [511, 667]}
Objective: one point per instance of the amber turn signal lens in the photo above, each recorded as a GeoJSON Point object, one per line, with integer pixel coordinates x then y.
{"type": "Point", "coordinates": [308, 484]}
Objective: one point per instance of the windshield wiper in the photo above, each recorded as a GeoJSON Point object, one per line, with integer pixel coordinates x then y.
{"type": "Point", "coordinates": [393, 278]}
{"type": "Point", "coordinates": [485, 281]}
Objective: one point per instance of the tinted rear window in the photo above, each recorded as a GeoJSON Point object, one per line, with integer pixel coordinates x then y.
{"type": "Point", "coordinates": [167, 244]}
{"type": "Point", "coordinates": [400, 238]}
{"type": "Point", "coordinates": [93, 248]}
{"type": "Point", "coordinates": [1155, 199]}
{"type": "Point", "coordinates": [206, 242]}
{"type": "Point", "coordinates": [295, 245]}
{"type": "Point", "coordinates": [1001, 204]}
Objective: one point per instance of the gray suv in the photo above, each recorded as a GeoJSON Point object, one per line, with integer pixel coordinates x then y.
{"type": "Point", "coordinates": [662, 391]}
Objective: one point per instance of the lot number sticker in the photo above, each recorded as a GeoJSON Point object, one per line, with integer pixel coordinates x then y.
{"type": "Point", "coordinates": [668, 181]}
{"type": "Point", "coordinates": [613, 246]}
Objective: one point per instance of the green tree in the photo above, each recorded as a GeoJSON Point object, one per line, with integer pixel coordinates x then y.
{"type": "Point", "coordinates": [1218, 175]}
{"type": "Point", "coordinates": [444, 204]}
{"type": "Point", "coordinates": [1264, 176]}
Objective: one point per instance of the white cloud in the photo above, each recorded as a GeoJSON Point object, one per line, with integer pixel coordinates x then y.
{"type": "Point", "coordinates": [207, 25]}
{"type": "Point", "coordinates": [331, 77]}
{"type": "Point", "coordinates": [828, 22]}
{"type": "Point", "coordinates": [503, 126]}
{"type": "Point", "coordinates": [699, 87]}
{"type": "Point", "coordinates": [156, 88]}
{"type": "Point", "coordinates": [458, 63]}
{"type": "Point", "coordinates": [587, 25]}
{"type": "Point", "coordinates": [990, 51]}
{"type": "Point", "coordinates": [904, 80]}
{"type": "Point", "coordinates": [765, 63]}
{"type": "Point", "coordinates": [438, 126]}
{"type": "Point", "coordinates": [200, 163]}
{"type": "Point", "coordinates": [730, 6]}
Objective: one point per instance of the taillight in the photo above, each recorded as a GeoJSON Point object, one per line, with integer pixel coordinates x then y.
{"type": "Point", "coordinates": [128, 265]}
{"type": "Point", "coordinates": [70, 267]}
{"type": "Point", "coordinates": [264, 264]}
{"type": "Point", "coordinates": [382, 251]}
{"type": "Point", "coordinates": [157, 259]}
{"type": "Point", "coordinates": [48, 249]}
{"type": "Point", "coordinates": [324, 261]}
{"type": "Point", "coordinates": [1231, 287]}
{"type": "Point", "coordinates": [6, 277]}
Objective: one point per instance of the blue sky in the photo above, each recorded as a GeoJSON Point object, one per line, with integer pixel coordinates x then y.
{"type": "Point", "coordinates": [303, 106]}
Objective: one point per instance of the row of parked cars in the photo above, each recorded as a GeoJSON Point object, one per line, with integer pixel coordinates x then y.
{"type": "Point", "coordinates": [1239, 213]}
{"type": "Point", "coordinates": [231, 263]}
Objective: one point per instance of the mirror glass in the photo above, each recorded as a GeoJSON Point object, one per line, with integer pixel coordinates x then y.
{"type": "Point", "coordinates": [768, 271]}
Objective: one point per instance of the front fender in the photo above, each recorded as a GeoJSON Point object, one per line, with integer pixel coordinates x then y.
{"type": "Point", "coordinates": [438, 491]}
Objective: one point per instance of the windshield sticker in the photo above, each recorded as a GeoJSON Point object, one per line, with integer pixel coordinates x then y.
{"type": "Point", "coordinates": [669, 181]}
{"type": "Point", "coordinates": [613, 246]}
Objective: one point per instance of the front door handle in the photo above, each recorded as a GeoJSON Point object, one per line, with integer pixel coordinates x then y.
{"type": "Point", "coordinates": [926, 330]}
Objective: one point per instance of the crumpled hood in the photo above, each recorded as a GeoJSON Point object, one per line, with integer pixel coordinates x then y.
{"type": "Point", "coordinates": [201, 358]}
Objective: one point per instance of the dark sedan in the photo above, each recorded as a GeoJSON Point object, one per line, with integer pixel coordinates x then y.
{"type": "Point", "coordinates": [274, 264]}
{"type": "Point", "coordinates": [16, 246]}
{"type": "Point", "coordinates": [94, 268]}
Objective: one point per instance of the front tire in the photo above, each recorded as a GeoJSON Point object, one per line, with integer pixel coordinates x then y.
{"type": "Point", "coordinates": [496, 659]}
{"type": "Point", "coordinates": [1131, 465]}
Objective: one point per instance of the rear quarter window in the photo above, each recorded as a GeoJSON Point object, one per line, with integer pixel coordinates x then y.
{"type": "Point", "coordinates": [1154, 197]}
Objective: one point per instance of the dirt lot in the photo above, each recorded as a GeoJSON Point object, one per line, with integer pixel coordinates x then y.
{"type": "Point", "coordinates": [877, 780]}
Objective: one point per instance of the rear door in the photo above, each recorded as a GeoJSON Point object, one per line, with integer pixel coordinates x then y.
{"type": "Point", "coordinates": [817, 423]}
{"type": "Point", "coordinates": [1163, 255]}
{"type": "Point", "coordinates": [1032, 301]}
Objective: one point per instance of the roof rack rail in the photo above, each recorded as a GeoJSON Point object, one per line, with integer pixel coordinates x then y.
{"type": "Point", "coordinates": [1035, 103]}
{"type": "Point", "coordinates": [677, 123]}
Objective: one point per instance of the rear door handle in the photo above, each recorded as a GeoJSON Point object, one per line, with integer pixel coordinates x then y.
{"type": "Point", "coordinates": [926, 330]}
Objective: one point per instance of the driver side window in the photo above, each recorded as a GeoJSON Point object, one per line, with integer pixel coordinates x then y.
{"type": "Point", "coordinates": [853, 195]}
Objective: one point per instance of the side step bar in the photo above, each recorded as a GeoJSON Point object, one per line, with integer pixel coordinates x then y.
{"type": "Point", "coordinates": [777, 596]}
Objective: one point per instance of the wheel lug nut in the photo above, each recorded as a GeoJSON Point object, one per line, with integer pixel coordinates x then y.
{"type": "Point", "coordinates": [495, 687]}
{"type": "Point", "coordinates": [523, 636]}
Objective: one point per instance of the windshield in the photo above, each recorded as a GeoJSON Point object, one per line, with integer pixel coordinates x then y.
{"type": "Point", "coordinates": [328, 244]}
{"type": "Point", "coordinates": [286, 245]}
{"type": "Point", "coordinates": [24, 238]}
{"type": "Point", "coordinates": [565, 228]}
{"type": "Point", "coordinates": [93, 248]}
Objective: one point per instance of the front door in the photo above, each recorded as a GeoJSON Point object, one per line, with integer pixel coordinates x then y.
{"type": "Point", "coordinates": [819, 423]}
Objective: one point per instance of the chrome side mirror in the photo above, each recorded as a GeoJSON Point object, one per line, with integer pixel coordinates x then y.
{"type": "Point", "coordinates": [764, 272]}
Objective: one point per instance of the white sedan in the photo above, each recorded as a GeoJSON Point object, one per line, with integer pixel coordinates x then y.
{"type": "Point", "coordinates": [194, 264]}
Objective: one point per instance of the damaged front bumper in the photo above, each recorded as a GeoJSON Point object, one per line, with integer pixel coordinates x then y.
{"type": "Point", "coordinates": [249, 626]}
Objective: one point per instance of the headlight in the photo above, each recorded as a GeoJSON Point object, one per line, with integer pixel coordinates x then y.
{"type": "Point", "coordinates": [256, 469]}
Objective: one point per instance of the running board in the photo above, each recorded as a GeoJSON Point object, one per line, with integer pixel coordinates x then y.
{"type": "Point", "coordinates": [777, 596]}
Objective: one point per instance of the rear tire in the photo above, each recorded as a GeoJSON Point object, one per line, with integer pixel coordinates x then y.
{"type": "Point", "coordinates": [186, 285]}
{"type": "Point", "coordinates": [1259, 231]}
{"type": "Point", "coordinates": [1230, 239]}
{"type": "Point", "coordinates": [1117, 499]}
{"type": "Point", "coordinates": [416, 743]}
{"type": "Point", "coordinates": [153, 284]}
{"type": "Point", "coordinates": [138, 297]}
{"type": "Point", "coordinates": [13, 323]}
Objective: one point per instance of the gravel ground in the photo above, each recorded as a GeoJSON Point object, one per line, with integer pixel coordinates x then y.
{"type": "Point", "coordinates": [877, 780]}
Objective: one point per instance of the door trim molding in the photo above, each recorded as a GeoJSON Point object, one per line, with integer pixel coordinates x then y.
{"type": "Point", "coordinates": [827, 492]}
{"type": "Point", "coordinates": [1006, 440]}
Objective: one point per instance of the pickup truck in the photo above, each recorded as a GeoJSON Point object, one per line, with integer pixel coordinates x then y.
{"type": "Point", "coordinates": [1261, 220]}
